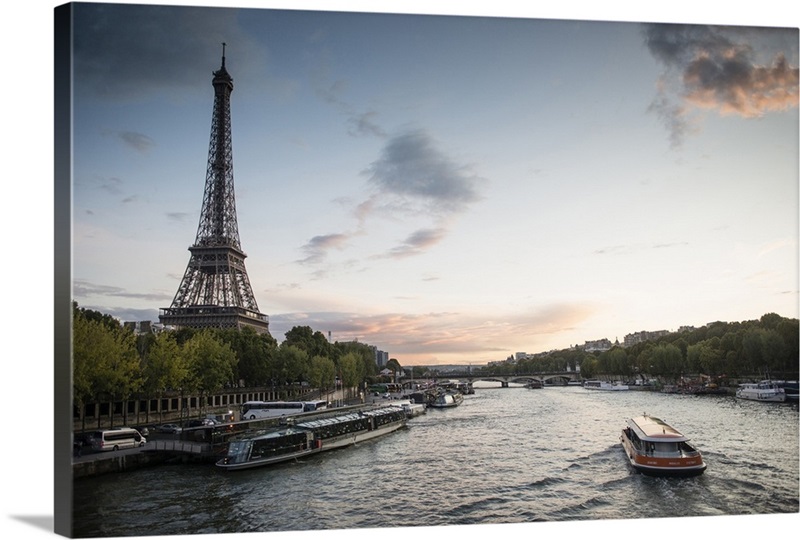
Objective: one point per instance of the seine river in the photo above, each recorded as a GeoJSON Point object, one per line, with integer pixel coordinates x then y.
{"type": "Point", "coordinates": [506, 455]}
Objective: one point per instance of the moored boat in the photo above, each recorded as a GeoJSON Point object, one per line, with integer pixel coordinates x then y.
{"type": "Point", "coordinates": [310, 437]}
{"type": "Point", "coordinates": [447, 399]}
{"type": "Point", "coordinates": [655, 448]}
{"type": "Point", "coordinates": [604, 385]}
{"type": "Point", "coordinates": [761, 391]}
{"type": "Point", "coordinates": [790, 388]}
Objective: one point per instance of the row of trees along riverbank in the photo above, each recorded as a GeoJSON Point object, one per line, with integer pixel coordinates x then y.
{"type": "Point", "coordinates": [736, 350]}
{"type": "Point", "coordinates": [113, 364]}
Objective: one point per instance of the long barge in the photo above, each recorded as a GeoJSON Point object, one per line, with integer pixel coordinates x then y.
{"type": "Point", "coordinates": [311, 437]}
{"type": "Point", "coordinates": [655, 448]}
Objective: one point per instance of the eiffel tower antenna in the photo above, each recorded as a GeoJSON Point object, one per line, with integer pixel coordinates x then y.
{"type": "Point", "coordinates": [215, 291]}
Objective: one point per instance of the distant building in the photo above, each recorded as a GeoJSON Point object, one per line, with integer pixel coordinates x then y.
{"type": "Point", "coordinates": [381, 357]}
{"type": "Point", "coordinates": [143, 327]}
{"type": "Point", "coordinates": [598, 345]}
{"type": "Point", "coordinates": [640, 337]}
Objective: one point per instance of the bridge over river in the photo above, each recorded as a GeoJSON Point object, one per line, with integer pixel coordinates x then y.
{"type": "Point", "coordinates": [559, 378]}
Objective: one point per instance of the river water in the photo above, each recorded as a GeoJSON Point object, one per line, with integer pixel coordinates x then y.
{"type": "Point", "coordinates": [506, 455]}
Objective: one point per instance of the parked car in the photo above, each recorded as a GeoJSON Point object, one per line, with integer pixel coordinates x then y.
{"type": "Point", "coordinates": [168, 428]}
{"type": "Point", "coordinates": [200, 422]}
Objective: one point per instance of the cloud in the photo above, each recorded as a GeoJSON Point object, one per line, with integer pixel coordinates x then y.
{"type": "Point", "coordinates": [178, 217]}
{"type": "Point", "coordinates": [439, 336]}
{"type": "Point", "coordinates": [139, 142]}
{"type": "Point", "coordinates": [419, 241]}
{"type": "Point", "coordinates": [85, 289]}
{"type": "Point", "coordinates": [359, 123]}
{"type": "Point", "coordinates": [316, 249]}
{"type": "Point", "coordinates": [411, 166]}
{"type": "Point", "coordinates": [112, 185]}
{"type": "Point", "coordinates": [363, 124]}
{"type": "Point", "coordinates": [625, 249]}
{"type": "Point", "coordinates": [413, 181]}
{"type": "Point", "coordinates": [718, 69]}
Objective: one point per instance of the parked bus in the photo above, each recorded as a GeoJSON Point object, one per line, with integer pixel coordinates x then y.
{"type": "Point", "coordinates": [318, 405]}
{"type": "Point", "coordinates": [116, 439]}
{"type": "Point", "coordinates": [254, 410]}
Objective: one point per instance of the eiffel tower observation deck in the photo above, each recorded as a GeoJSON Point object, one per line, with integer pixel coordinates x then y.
{"type": "Point", "coordinates": [215, 291]}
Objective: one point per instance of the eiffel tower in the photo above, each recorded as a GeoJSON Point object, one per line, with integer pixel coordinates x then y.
{"type": "Point", "coordinates": [215, 291]}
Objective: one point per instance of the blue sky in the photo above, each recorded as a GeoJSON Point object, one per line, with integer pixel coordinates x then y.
{"type": "Point", "coordinates": [451, 189]}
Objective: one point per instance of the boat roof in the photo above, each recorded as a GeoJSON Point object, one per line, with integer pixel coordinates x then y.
{"type": "Point", "coordinates": [652, 428]}
{"type": "Point", "coordinates": [347, 417]}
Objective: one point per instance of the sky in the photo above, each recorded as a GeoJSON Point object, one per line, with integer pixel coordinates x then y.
{"type": "Point", "coordinates": [448, 188]}
{"type": "Point", "coordinates": [592, 191]}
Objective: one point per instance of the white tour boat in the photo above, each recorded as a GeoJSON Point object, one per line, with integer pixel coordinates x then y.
{"type": "Point", "coordinates": [761, 391]}
{"type": "Point", "coordinates": [655, 448]}
{"type": "Point", "coordinates": [603, 385]}
{"type": "Point", "coordinates": [447, 399]}
{"type": "Point", "coordinates": [311, 437]}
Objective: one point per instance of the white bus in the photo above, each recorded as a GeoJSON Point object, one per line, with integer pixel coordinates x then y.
{"type": "Point", "coordinates": [317, 405]}
{"type": "Point", "coordinates": [253, 410]}
{"type": "Point", "coordinates": [116, 439]}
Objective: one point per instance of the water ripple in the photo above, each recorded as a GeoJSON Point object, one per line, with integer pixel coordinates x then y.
{"type": "Point", "coordinates": [504, 456]}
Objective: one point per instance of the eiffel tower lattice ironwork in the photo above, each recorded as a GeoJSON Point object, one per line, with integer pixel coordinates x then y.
{"type": "Point", "coordinates": [215, 291]}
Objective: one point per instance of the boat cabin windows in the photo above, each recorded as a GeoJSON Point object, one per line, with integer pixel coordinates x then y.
{"type": "Point", "coordinates": [274, 446]}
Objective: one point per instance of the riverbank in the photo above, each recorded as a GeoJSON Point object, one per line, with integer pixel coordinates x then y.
{"type": "Point", "coordinates": [116, 462]}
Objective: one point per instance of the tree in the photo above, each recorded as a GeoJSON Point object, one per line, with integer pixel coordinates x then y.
{"type": "Point", "coordinates": [87, 357]}
{"type": "Point", "coordinates": [254, 353]}
{"type": "Point", "coordinates": [91, 315]}
{"type": "Point", "coordinates": [614, 362]}
{"type": "Point", "coordinates": [667, 360]}
{"type": "Point", "coordinates": [773, 351]}
{"type": "Point", "coordinates": [394, 366]}
{"type": "Point", "coordinates": [753, 351]}
{"type": "Point", "coordinates": [211, 364]}
{"type": "Point", "coordinates": [164, 367]}
{"type": "Point", "coordinates": [705, 357]}
{"type": "Point", "coordinates": [322, 373]}
{"type": "Point", "coordinates": [292, 364]}
{"type": "Point", "coordinates": [118, 373]}
{"type": "Point", "coordinates": [362, 352]}
{"type": "Point", "coordinates": [589, 367]}
{"type": "Point", "coordinates": [351, 370]}
{"type": "Point", "coordinates": [306, 339]}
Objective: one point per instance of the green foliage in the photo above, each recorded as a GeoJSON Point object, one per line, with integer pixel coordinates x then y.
{"type": "Point", "coordinates": [764, 347]}
{"type": "Point", "coordinates": [110, 363]}
{"type": "Point", "coordinates": [91, 315]}
{"type": "Point", "coordinates": [351, 369]}
{"type": "Point", "coordinates": [105, 362]}
{"type": "Point", "coordinates": [255, 352]}
{"type": "Point", "coordinates": [306, 339]}
{"type": "Point", "coordinates": [211, 363]}
{"type": "Point", "coordinates": [322, 373]}
{"type": "Point", "coordinates": [293, 364]}
{"type": "Point", "coordinates": [394, 365]}
{"type": "Point", "coordinates": [165, 367]}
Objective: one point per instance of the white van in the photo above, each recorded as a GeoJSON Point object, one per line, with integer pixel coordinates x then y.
{"type": "Point", "coordinates": [116, 439]}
